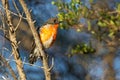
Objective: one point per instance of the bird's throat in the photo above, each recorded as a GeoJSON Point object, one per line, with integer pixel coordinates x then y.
{"type": "Point", "coordinates": [56, 26]}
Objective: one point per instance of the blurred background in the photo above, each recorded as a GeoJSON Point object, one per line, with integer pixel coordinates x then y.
{"type": "Point", "coordinates": [87, 45]}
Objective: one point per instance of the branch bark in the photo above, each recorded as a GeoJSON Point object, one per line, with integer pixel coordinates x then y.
{"type": "Point", "coordinates": [12, 37]}
{"type": "Point", "coordinates": [37, 40]}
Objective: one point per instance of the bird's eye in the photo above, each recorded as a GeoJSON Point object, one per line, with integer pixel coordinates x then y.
{"type": "Point", "coordinates": [55, 21]}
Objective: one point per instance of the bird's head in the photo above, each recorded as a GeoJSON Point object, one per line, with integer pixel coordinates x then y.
{"type": "Point", "coordinates": [53, 21]}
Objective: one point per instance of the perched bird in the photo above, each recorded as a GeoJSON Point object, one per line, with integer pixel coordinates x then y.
{"type": "Point", "coordinates": [47, 34]}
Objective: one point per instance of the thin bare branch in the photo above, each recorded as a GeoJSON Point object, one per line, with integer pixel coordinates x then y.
{"type": "Point", "coordinates": [12, 12]}
{"type": "Point", "coordinates": [6, 37]}
{"type": "Point", "coordinates": [2, 19]}
{"type": "Point", "coordinates": [30, 10]}
{"type": "Point", "coordinates": [4, 78]}
{"type": "Point", "coordinates": [19, 21]}
{"type": "Point", "coordinates": [16, 7]}
{"type": "Point", "coordinates": [37, 40]}
{"type": "Point", "coordinates": [4, 48]}
{"type": "Point", "coordinates": [19, 42]}
{"type": "Point", "coordinates": [3, 28]}
{"type": "Point", "coordinates": [12, 37]}
{"type": "Point", "coordinates": [9, 67]}
{"type": "Point", "coordinates": [25, 63]}
{"type": "Point", "coordinates": [19, 14]}
{"type": "Point", "coordinates": [34, 21]}
{"type": "Point", "coordinates": [52, 65]}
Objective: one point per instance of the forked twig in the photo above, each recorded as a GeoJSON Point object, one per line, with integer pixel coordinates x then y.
{"type": "Point", "coordinates": [16, 7]}
{"type": "Point", "coordinates": [19, 21]}
{"type": "Point", "coordinates": [13, 12]}
{"type": "Point", "coordinates": [19, 14]}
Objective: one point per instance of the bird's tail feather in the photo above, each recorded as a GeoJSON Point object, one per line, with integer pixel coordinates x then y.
{"type": "Point", "coordinates": [34, 55]}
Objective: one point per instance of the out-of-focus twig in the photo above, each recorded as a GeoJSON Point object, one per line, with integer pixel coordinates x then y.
{"type": "Point", "coordinates": [20, 15]}
{"type": "Point", "coordinates": [25, 63]}
{"type": "Point", "coordinates": [13, 13]}
{"type": "Point", "coordinates": [19, 22]}
{"type": "Point", "coordinates": [8, 66]}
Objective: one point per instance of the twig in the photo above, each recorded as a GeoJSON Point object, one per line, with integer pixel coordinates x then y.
{"type": "Point", "coordinates": [12, 37]}
{"type": "Point", "coordinates": [13, 13]}
{"type": "Point", "coordinates": [3, 24]}
{"type": "Point", "coordinates": [6, 37]}
{"type": "Point", "coordinates": [25, 63]}
{"type": "Point", "coordinates": [19, 21]}
{"type": "Point", "coordinates": [34, 21]}
{"type": "Point", "coordinates": [20, 15]}
{"type": "Point", "coordinates": [4, 78]}
{"type": "Point", "coordinates": [51, 65]}
{"type": "Point", "coordinates": [30, 10]}
{"type": "Point", "coordinates": [37, 40]}
{"type": "Point", "coordinates": [16, 7]}
{"type": "Point", "coordinates": [4, 48]}
{"type": "Point", "coordinates": [9, 67]}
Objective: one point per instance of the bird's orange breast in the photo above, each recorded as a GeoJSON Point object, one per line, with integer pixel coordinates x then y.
{"type": "Point", "coordinates": [48, 31]}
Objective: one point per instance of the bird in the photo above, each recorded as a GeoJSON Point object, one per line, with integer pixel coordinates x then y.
{"type": "Point", "coordinates": [47, 34]}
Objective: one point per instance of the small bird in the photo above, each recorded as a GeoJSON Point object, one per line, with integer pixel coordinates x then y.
{"type": "Point", "coordinates": [47, 34]}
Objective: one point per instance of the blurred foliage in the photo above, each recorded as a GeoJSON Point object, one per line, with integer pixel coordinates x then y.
{"type": "Point", "coordinates": [102, 22]}
{"type": "Point", "coordinates": [82, 48]}
{"type": "Point", "coordinates": [69, 12]}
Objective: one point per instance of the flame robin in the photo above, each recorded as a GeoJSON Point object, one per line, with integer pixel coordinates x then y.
{"type": "Point", "coordinates": [47, 35]}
